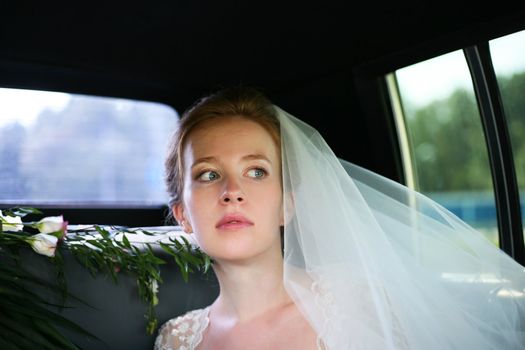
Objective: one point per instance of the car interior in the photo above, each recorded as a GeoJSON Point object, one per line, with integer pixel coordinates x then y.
{"type": "Point", "coordinates": [332, 64]}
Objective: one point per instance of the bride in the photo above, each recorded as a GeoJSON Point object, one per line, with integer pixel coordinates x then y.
{"type": "Point", "coordinates": [314, 253]}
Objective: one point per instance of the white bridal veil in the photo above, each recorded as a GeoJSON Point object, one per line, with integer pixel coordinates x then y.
{"type": "Point", "coordinates": [375, 265]}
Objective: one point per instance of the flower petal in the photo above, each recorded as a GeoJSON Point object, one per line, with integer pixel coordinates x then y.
{"type": "Point", "coordinates": [11, 223]}
{"type": "Point", "coordinates": [50, 224]}
{"type": "Point", "coordinates": [44, 244]}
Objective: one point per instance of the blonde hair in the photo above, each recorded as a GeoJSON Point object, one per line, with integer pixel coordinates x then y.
{"type": "Point", "coordinates": [244, 102]}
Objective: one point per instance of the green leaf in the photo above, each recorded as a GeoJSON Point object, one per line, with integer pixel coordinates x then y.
{"type": "Point", "coordinates": [167, 248]}
{"type": "Point", "coordinates": [157, 261]}
{"type": "Point", "coordinates": [183, 268]}
{"type": "Point", "coordinates": [207, 263]}
{"type": "Point", "coordinates": [185, 240]}
{"type": "Point", "coordinates": [14, 340]}
{"type": "Point", "coordinates": [102, 231]}
{"type": "Point", "coordinates": [40, 313]}
{"type": "Point", "coordinates": [23, 211]}
{"type": "Point", "coordinates": [9, 274]}
{"type": "Point", "coordinates": [53, 335]}
{"type": "Point", "coordinates": [95, 243]}
{"type": "Point", "coordinates": [148, 233]}
{"type": "Point", "coordinates": [23, 332]}
{"type": "Point", "coordinates": [126, 241]}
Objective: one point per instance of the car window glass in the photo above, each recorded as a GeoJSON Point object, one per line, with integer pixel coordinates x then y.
{"type": "Point", "coordinates": [446, 153]}
{"type": "Point", "coordinates": [76, 150]}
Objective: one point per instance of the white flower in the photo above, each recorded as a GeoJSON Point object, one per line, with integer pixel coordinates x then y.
{"type": "Point", "coordinates": [50, 224]}
{"type": "Point", "coordinates": [11, 223]}
{"type": "Point", "coordinates": [44, 244]}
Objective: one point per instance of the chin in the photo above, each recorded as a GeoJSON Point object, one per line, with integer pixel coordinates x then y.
{"type": "Point", "coordinates": [240, 252]}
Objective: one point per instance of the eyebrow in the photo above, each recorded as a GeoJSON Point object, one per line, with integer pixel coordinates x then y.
{"type": "Point", "coordinates": [244, 158]}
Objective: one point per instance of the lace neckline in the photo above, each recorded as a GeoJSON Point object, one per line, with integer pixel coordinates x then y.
{"type": "Point", "coordinates": [205, 321]}
{"type": "Point", "coordinates": [186, 332]}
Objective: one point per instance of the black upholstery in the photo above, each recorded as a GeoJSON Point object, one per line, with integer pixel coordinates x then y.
{"type": "Point", "coordinates": [116, 313]}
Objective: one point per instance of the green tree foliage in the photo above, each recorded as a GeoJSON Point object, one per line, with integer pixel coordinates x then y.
{"type": "Point", "coordinates": [94, 150]}
{"type": "Point", "coordinates": [512, 94]}
{"type": "Point", "coordinates": [450, 152]}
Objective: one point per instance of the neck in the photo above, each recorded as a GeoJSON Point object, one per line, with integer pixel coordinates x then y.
{"type": "Point", "coordinates": [249, 289]}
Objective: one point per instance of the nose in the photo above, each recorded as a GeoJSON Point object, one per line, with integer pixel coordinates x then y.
{"type": "Point", "coordinates": [232, 193]}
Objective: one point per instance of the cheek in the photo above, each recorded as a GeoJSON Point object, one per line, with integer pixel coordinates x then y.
{"type": "Point", "coordinates": [271, 203]}
{"type": "Point", "coordinates": [199, 205]}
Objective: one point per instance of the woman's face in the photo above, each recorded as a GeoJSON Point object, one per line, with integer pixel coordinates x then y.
{"type": "Point", "coordinates": [232, 197]}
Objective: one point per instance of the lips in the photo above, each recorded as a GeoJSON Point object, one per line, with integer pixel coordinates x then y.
{"type": "Point", "coordinates": [233, 221]}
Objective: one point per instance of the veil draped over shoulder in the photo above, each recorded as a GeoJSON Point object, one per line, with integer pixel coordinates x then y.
{"type": "Point", "coordinates": [375, 265]}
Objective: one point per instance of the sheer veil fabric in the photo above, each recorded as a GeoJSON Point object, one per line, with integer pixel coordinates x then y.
{"type": "Point", "coordinates": [375, 265]}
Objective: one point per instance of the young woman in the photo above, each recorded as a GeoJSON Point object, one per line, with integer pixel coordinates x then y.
{"type": "Point", "coordinates": [367, 263]}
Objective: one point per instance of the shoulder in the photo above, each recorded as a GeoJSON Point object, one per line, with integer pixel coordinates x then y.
{"type": "Point", "coordinates": [183, 332]}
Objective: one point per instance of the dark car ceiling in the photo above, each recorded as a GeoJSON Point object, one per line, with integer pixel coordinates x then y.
{"type": "Point", "coordinates": [186, 48]}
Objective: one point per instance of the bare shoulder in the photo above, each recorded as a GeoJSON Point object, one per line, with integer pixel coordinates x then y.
{"type": "Point", "coordinates": [282, 329]}
{"type": "Point", "coordinates": [298, 330]}
{"type": "Point", "coordinates": [182, 332]}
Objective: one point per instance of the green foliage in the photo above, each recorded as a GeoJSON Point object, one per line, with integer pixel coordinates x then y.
{"type": "Point", "coordinates": [512, 92]}
{"type": "Point", "coordinates": [26, 321]}
{"type": "Point", "coordinates": [447, 139]}
{"type": "Point", "coordinates": [112, 256]}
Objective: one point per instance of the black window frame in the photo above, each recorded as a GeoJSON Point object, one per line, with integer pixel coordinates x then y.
{"type": "Point", "coordinates": [495, 128]}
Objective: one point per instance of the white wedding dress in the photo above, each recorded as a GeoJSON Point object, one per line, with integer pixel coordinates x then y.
{"type": "Point", "coordinates": [183, 332]}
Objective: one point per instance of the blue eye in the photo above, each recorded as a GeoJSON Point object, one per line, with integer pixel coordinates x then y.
{"type": "Point", "coordinates": [257, 173]}
{"type": "Point", "coordinates": [208, 176]}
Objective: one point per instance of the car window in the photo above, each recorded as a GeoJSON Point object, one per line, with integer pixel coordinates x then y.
{"type": "Point", "coordinates": [75, 150]}
{"type": "Point", "coordinates": [445, 153]}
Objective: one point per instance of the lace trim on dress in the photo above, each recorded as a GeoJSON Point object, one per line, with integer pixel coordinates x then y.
{"type": "Point", "coordinates": [324, 300]}
{"type": "Point", "coordinates": [184, 332]}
